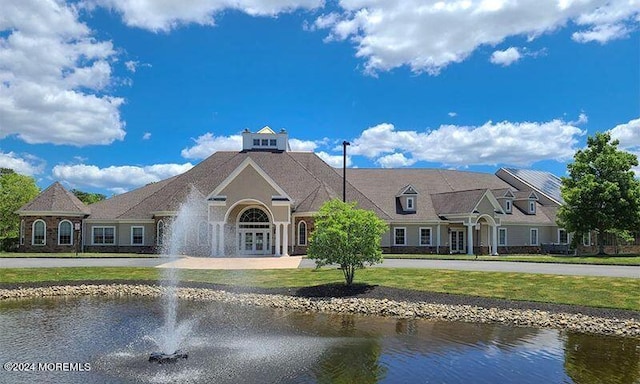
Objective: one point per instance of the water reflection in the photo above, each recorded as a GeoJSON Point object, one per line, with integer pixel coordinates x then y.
{"type": "Point", "coordinates": [232, 344]}
{"type": "Point", "coordinates": [597, 359]}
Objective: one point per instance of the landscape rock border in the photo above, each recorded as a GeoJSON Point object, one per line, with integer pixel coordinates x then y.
{"type": "Point", "coordinates": [577, 322]}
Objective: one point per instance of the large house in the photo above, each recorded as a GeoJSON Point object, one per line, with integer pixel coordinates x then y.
{"type": "Point", "coordinates": [262, 201]}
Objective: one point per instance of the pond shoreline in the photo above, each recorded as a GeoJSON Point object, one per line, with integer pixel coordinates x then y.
{"type": "Point", "coordinates": [364, 300]}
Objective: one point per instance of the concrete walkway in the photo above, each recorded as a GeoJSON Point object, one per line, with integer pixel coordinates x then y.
{"type": "Point", "coordinates": [235, 263]}
{"type": "Point", "coordinates": [299, 262]}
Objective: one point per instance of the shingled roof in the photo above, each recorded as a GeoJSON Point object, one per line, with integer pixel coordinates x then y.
{"type": "Point", "coordinates": [57, 200]}
{"type": "Point", "coordinates": [307, 179]}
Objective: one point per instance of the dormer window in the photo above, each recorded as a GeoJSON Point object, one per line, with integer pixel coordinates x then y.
{"type": "Point", "coordinates": [410, 206]}
{"type": "Point", "coordinates": [532, 207]}
{"type": "Point", "coordinates": [507, 206]}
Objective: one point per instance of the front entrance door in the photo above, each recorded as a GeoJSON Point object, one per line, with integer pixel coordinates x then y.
{"type": "Point", "coordinates": [252, 242]}
{"type": "Point", "coordinates": [456, 239]}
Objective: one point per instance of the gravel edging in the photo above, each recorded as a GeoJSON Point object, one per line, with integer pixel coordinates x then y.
{"type": "Point", "coordinates": [522, 317]}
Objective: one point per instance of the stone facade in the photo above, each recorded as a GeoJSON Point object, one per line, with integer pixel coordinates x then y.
{"type": "Point", "coordinates": [51, 235]}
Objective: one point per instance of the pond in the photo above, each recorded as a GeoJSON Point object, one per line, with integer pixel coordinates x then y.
{"type": "Point", "coordinates": [108, 340]}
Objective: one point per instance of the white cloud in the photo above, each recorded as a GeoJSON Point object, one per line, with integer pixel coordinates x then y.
{"type": "Point", "coordinates": [490, 144]}
{"type": "Point", "coordinates": [336, 161]}
{"type": "Point", "coordinates": [53, 76]}
{"type": "Point", "coordinates": [26, 164]}
{"type": "Point", "coordinates": [452, 114]}
{"type": "Point", "coordinates": [208, 143]}
{"type": "Point", "coordinates": [506, 57]}
{"type": "Point", "coordinates": [395, 160]}
{"type": "Point", "coordinates": [302, 145]}
{"type": "Point", "coordinates": [428, 36]}
{"type": "Point", "coordinates": [146, 136]}
{"type": "Point", "coordinates": [167, 15]}
{"type": "Point", "coordinates": [116, 178]}
{"type": "Point", "coordinates": [629, 136]}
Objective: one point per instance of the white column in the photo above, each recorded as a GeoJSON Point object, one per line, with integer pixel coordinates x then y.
{"type": "Point", "coordinates": [470, 238]}
{"type": "Point", "coordinates": [220, 239]}
{"type": "Point", "coordinates": [214, 239]}
{"type": "Point", "coordinates": [438, 239]}
{"type": "Point", "coordinates": [494, 240]}
{"type": "Point", "coordinates": [277, 239]}
{"type": "Point", "coordinates": [285, 239]}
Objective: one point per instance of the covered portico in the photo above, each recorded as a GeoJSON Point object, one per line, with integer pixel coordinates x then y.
{"type": "Point", "coordinates": [475, 211]}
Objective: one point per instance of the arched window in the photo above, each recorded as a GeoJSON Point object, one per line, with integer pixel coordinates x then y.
{"type": "Point", "coordinates": [302, 233]}
{"type": "Point", "coordinates": [160, 232]}
{"type": "Point", "coordinates": [65, 232]}
{"type": "Point", "coordinates": [38, 233]}
{"type": "Point", "coordinates": [253, 218]}
{"type": "Point", "coordinates": [254, 215]}
{"type": "Point", "coordinates": [203, 233]}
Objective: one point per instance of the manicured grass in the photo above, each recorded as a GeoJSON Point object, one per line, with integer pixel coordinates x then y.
{"type": "Point", "coordinates": [603, 292]}
{"type": "Point", "coordinates": [603, 260]}
{"type": "Point", "coordinates": [67, 255]}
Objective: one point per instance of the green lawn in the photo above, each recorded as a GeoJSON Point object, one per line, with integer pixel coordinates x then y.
{"type": "Point", "coordinates": [604, 260]}
{"type": "Point", "coordinates": [604, 292]}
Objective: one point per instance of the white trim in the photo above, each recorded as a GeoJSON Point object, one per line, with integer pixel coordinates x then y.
{"type": "Point", "coordinates": [566, 234]}
{"type": "Point", "coordinates": [532, 207]}
{"type": "Point", "coordinates": [33, 232]}
{"type": "Point", "coordinates": [119, 221]}
{"type": "Point", "coordinates": [93, 228]}
{"type": "Point", "coordinates": [508, 206]}
{"type": "Point", "coordinates": [531, 230]}
{"type": "Point", "coordinates": [506, 241]}
{"type": "Point", "coordinates": [71, 234]}
{"type": "Point", "coordinates": [251, 203]}
{"type": "Point", "coordinates": [306, 232]}
{"type": "Point", "coordinates": [159, 239]}
{"type": "Point", "coordinates": [430, 236]}
{"type": "Point", "coordinates": [131, 234]}
{"type": "Point", "coordinates": [248, 162]}
{"type": "Point", "coordinates": [403, 191]}
{"type": "Point", "coordinates": [394, 236]}
{"type": "Point", "coordinates": [51, 213]}
{"type": "Point", "coordinates": [492, 199]}
{"type": "Point", "coordinates": [413, 203]}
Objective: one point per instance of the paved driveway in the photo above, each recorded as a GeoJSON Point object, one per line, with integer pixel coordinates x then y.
{"type": "Point", "coordinates": [241, 263]}
{"type": "Point", "coordinates": [52, 262]}
{"type": "Point", "coordinates": [507, 266]}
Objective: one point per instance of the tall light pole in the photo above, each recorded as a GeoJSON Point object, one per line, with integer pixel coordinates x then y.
{"type": "Point", "coordinates": [344, 170]}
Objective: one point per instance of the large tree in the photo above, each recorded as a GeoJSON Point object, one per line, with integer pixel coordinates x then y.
{"type": "Point", "coordinates": [601, 192]}
{"type": "Point", "coordinates": [88, 197]}
{"type": "Point", "coordinates": [346, 236]}
{"type": "Point", "coordinates": [15, 191]}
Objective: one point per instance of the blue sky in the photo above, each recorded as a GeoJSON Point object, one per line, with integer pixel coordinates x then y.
{"type": "Point", "coordinates": [108, 95]}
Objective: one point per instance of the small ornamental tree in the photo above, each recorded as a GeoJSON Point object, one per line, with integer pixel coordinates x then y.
{"type": "Point", "coordinates": [346, 236]}
{"type": "Point", "coordinates": [601, 192]}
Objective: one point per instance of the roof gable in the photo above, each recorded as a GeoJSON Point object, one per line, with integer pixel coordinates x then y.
{"type": "Point", "coordinates": [55, 200]}
{"type": "Point", "coordinates": [248, 162]}
{"type": "Point", "coordinates": [407, 190]}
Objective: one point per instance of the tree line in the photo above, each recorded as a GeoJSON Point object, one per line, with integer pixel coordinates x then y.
{"type": "Point", "coordinates": [16, 190]}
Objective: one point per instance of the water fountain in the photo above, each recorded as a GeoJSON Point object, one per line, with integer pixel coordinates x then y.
{"type": "Point", "coordinates": [180, 239]}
